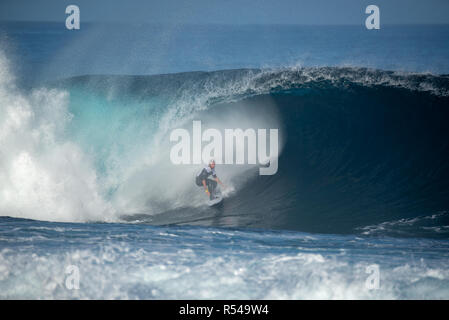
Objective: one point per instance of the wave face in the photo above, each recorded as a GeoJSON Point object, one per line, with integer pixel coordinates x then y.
{"type": "Point", "coordinates": [363, 151]}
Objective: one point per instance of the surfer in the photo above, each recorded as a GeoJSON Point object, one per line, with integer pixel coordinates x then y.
{"type": "Point", "coordinates": [203, 180]}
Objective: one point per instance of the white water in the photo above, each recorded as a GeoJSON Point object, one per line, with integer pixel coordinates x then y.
{"type": "Point", "coordinates": [43, 176]}
{"type": "Point", "coordinates": [139, 262]}
{"type": "Point", "coordinates": [46, 175]}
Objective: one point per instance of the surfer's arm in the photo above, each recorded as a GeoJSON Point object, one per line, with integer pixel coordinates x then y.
{"type": "Point", "coordinates": [219, 181]}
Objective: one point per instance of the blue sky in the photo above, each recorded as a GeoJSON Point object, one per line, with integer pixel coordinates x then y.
{"type": "Point", "coordinates": [230, 11]}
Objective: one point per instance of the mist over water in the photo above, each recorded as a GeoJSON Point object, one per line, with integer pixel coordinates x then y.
{"type": "Point", "coordinates": [47, 51]}
{"type": "Point", "coordinates": [44, 176]}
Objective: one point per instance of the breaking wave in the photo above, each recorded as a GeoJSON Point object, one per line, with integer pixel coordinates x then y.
{"type": "Point", "coordinates": [360, 149]}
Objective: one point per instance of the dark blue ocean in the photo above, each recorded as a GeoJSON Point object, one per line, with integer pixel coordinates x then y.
{"type": "Point", "coordinates": [359, 206]}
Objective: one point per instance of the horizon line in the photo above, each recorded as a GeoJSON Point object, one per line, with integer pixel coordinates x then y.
{"type": "Point", "coordinates": [225, 24]}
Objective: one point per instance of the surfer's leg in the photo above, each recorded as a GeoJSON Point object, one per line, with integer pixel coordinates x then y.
{"type": "Point", "coordinates": [211, 185]}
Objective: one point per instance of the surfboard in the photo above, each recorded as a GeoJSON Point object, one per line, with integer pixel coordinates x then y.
{"type": "Point", "coordinates": [218, 198]}
{"type": "Point", "coordinates": [216, 201]}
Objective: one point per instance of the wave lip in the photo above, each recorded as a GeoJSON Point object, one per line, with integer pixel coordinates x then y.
{"type": "Point", "coordinates": [212, 86]}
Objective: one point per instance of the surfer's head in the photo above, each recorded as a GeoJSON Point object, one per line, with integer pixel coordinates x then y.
{"type": "Point", "coordinates": [212, 163]}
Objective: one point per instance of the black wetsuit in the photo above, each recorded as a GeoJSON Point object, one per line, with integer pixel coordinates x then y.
{"type": "Point", "coordinates": [204, 174]}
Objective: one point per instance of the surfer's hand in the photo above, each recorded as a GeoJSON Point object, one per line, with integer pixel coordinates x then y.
{"type": "Point", "coordinates": [208, 193]}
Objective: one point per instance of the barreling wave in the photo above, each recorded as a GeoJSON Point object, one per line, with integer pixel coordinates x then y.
{"type": "Point", "coordinates": [359, 148]}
